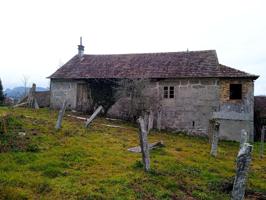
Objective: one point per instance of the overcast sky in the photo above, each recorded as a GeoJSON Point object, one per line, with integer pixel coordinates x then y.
{"type": "Point", "coordinates": [36, 37]}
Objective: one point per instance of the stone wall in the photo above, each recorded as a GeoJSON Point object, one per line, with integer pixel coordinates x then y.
{"type": "Point", "coordinates": [190, 110]}
{"type": "Point", "coordinates": [235, 115]}
{"type": "Point", "coordinates": [63, 90]}
{"type": "Point", "coordinates": [195, 102]}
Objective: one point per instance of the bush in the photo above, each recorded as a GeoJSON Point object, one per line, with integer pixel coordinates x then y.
{"type": "Point", "coordinates": [33, 148]}
{"type": "Point", "coordinates": [138, 165]}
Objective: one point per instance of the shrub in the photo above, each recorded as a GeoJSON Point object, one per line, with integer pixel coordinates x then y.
{"type": "Point", "coordinates": [33, 148]}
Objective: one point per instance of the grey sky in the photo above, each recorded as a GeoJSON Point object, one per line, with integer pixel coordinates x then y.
{"type": "Point", "coordinates": [38, 36]}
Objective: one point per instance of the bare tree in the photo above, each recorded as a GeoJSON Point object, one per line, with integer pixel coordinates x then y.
{"type": "Point", "coordinates": [25, 81]}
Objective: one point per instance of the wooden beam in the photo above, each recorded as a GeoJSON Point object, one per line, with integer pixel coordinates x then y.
{"type": "Point", "coordinates": [96, 112]}
{"type": "Point", "coordinates": [151, 146]}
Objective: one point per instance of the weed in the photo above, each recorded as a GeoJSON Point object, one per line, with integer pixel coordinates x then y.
{"type": "Point", "coordinates": [53, 172]}
{"type": "Point", "coordinates": [33, 148]}
{"type": "Point", "coordinates": [43, 187]}
{"type": "Point", "coordinates": [138, 165]}
{"type": "Point", "coordinates": [178, 149]}
{"type": "Point", "coordinates": [78, 163]}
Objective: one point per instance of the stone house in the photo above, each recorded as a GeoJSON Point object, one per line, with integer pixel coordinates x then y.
{"type": "Point", "coordinates": [192, 88]}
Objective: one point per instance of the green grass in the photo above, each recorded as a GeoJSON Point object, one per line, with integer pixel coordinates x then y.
{"type": "Point", "coordinates": [93, 163]}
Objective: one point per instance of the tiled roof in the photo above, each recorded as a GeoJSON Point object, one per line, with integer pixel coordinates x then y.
{"type": "Point", "coordinates": [148, 65]}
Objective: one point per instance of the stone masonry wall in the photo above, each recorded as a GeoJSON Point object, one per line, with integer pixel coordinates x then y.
{"type": "Point", "coordinates": [190, 110]}
{"type": "Point", "coordinates": [235, 115]}
{"type": "Point", "coordinates": [63, 90]}
{"type": "Point", "coordinates": [195, 101]}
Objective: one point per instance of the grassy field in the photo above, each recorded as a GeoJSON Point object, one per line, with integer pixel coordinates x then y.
{"type": "Point", "coordinates": [93, 163]}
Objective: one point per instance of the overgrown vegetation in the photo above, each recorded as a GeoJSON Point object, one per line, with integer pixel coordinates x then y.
{"type": "Point", "coordinates": [106, 97]}
{"type": "Point", "coordinates": [140, 98]}
{"type": "Point", "coordinates": [79, 163]}
{"type": "Point", "coordinates": [12, 135]}
{"type": "Point", "coordinates": [2, 96]}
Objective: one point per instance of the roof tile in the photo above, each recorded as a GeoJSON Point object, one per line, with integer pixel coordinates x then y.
{"type": "Point", "coordinates": [148, 65]}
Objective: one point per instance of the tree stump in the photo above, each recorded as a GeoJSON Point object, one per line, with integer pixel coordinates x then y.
{"type": "Point", "coordinates": [243, 162]}
{"type": "Point", "coordinates": [60, 116]}
{"type": "Point", "coordinates": [143, 134]}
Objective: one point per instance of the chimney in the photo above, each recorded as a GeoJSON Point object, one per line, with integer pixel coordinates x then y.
{"type": "Point", "coordinates": [80, 48]}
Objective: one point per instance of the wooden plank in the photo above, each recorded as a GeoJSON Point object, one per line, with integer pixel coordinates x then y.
{"type": "Point", "coordinates": [21, 104]}
{"type": "Point", "coordinates": [96, 112]}
{"type": "Point", "coordinates": [77, 117]}
{"type": "Point", "coordinates": [151, 146]}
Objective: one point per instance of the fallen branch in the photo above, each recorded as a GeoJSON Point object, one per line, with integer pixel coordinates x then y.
{"type": "Point", "coordinates": [151, 146]}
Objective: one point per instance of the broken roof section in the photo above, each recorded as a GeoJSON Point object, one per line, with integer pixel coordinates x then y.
{"type": "Point", "coordinates": [186, 64]}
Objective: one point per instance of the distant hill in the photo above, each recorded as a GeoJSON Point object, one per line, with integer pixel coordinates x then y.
{"type": "Point", "coordinates": [18, 92]}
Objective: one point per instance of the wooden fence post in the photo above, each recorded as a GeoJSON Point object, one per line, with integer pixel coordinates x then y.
{"type": "Point", "coordinates": [96, 112]}
{"type": "Point", "coordinates": [60, 116]}
{"type": "Point", "coordinates": [151, 119]}
{"type": "Point", "coordinates": [215, 139]}
{"type": "Point", "coordinates": [32, 101]}
{"type": "Point", "coordinates": [243, 162]}
{"type": "Point", "coordinates": [143, 134]}
{"type": "Point", "coordinates": [243, 138]}
{"type": "Point", "coordinates": [262, 141]}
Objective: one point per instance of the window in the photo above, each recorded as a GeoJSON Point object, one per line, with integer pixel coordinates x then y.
{"type": "Point", "coordinates": [165, 92]}
{"type": "Point", "coordinates": [168, 92]}
{"type": "Point", "coordinates": [171, 92]}
{"type": "Point", "coordinates": [235, 91]}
